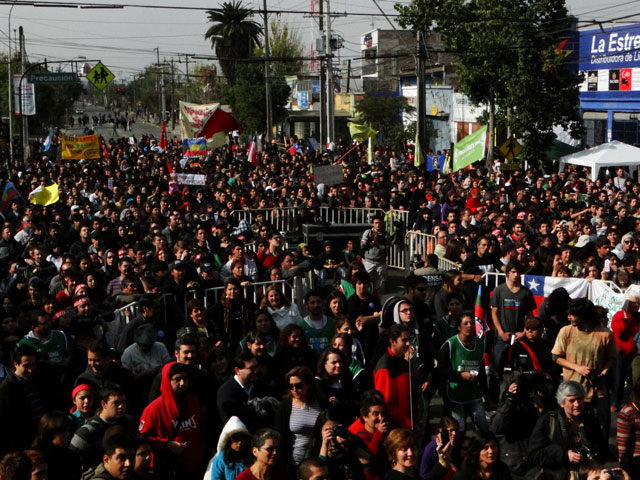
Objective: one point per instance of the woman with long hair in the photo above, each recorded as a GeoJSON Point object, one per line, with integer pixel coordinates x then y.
{"type": "Point", "coordinates": [281, 309]}
{"type": "Point", "coordinates": [297, 415]}
{"type": "Point", "coordinates": [265, 446]}
{"type": "Point", "coordinates": [293, 350]}
{"type": "Point", "coordinates": [52, 439]}
{"type": "Point", "coordinates": [334, 384]}
{"type": "Point", "coordinates": [482, 459]}
{"type": "Point", "coordinates": [232, 314]}
{"type": "Point", "coordinates": [452, 283]}
{"type": "Point", "coordinates": [264, 324]}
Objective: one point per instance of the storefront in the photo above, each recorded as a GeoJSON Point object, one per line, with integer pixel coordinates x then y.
{"type": "Point", "coordinates": [610, 94]}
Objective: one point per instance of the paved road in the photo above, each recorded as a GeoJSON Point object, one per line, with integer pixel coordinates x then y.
{"type": "Point", "coordinates": [138, 129]}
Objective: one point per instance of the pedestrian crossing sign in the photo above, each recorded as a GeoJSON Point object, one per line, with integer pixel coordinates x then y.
{"type": "Point", "coordinates": [511, 149]}
{"type": "Point", "coordinates": [100, 76]}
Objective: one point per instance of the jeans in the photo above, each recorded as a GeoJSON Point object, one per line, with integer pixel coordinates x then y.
{"type": "Point", "coordinates": [378, 273]}
{"type": "Point", "coordinates": [475, 408]}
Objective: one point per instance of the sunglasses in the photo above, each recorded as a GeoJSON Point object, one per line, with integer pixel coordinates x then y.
{"type": "Point", "coordinates": [296, 386]}
{"type": "Point", "coordinates": [531, 329]}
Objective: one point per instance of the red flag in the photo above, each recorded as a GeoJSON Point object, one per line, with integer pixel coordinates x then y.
{"type": "Point", "coordinates": [169, 167]}
{"type": "Point", "coordinates": [218, 121]}
{"type": "Point", "coordinates": [163, 138]}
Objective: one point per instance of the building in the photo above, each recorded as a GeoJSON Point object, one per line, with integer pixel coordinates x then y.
{"type": "Point", "coordinates": [610, 94]}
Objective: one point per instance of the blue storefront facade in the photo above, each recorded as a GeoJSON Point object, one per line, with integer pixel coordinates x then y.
{"type": "Point", "coordinates": [610, 94]}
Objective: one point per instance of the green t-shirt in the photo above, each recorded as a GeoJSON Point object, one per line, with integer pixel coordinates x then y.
{"type": "Point", "coordinates": [318, 338]}
{"type": "Point", "coordinates": [54, 350]}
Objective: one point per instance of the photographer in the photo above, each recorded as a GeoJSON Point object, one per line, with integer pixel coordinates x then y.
{"type": "Point", "coordinates": [564, 439]}
{"type": "Point", "coordinates": [526, 399]}
{"type": "Point", "coordinates": [374, 244]}
{"type": "Point", "coordinates": [343, 451]}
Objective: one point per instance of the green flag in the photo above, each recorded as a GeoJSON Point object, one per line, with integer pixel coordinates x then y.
{"type": "Point", "coordinates": [470, 149]}
{"type": "Point", "coordinates": [361, 132]}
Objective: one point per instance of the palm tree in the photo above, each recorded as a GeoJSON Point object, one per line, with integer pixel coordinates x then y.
{"type": "Point", "coordinates": [233, 36]}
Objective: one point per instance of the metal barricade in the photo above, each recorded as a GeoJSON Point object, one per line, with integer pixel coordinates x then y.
{"type": "Point", "coordinates": [421, 244]}
{"type": "Point", "coordinates": [492, 279]}
{"type": "Point", "coordinates": [127, 313]}
{"type": "Point", "coordinates": [349, 215]}
{"type": "Point", "coordinates": [280, 218]}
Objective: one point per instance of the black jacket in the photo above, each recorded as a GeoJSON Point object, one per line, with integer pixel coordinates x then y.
{"type": "Point", "coordinates": [232, 400]}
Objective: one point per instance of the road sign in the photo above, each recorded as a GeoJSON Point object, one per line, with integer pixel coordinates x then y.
{"type": "Point", "coordinates": [52, 78]}
{"type": "Point", "coordinates": [100, 76]}
{"type": "Point", "coordinates": [511, 149]}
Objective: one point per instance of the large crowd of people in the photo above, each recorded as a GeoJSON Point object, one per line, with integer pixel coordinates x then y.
{"type": "Point", "coordinates": [149, 329]}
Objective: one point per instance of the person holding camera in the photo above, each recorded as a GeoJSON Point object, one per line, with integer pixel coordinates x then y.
{"type": "Point", "coordinates": [565, 438]}
{"type": "Point", "coordinates": [343, 451]}
{"type": "Point", "coordinates": [375, 244]}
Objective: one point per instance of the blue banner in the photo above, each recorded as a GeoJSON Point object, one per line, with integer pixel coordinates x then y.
{"type": "Point", "coordinates": [618, 47]}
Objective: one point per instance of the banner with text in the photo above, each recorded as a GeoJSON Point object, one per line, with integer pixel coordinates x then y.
{"type": "Point", "coordinates": [600, 293]}
{"type": "Point", "coordinates": [26, 92]}
{"type": "Point", "coordinates": [189, 179]}
{"type": "Point", "coordinates": [76, 148]}
{"type": "Point", "coordinates": [613, 48]}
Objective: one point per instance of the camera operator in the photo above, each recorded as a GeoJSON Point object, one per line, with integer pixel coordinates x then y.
{"type": "Point", "coordinates": [343, 451]}
{"type": "Point", "coordinates": [565, 438]}
{"type": "Point", "coordinates": [374, 244]}
{"type": "Point", "coordinates": [529, 395]}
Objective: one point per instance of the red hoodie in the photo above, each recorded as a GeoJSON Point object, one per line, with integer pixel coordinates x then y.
{"type": "Point", "coordinates": [161, 422]}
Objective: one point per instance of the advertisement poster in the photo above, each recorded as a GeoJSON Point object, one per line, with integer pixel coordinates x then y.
{"type": "Point", "coordinates": [592, 81]}
{"type": "Point", "coordinates": [625, 79]}
{"type": "Point", "coordinates": [614, 80]}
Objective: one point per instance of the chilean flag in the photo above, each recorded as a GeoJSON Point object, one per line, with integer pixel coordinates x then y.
{"type": "Point", "coordinates": [541, 287]}
{"type": "Point", "coordinates": [253, 151]}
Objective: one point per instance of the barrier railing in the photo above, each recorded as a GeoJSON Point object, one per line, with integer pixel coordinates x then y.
{"type": "Point", "coordinates": [280, 218]}
{"type": "Point", "coordinates": [350, 215]}
{"type": "Point", "coordinates": [294, 290]}
{"type": "Point", "coordinates": [421, 244]}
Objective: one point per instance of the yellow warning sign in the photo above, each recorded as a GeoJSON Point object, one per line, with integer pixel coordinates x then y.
{"type": "Point", "coordinates": [100, 76]}
{"type": "Point", "coordinates": [511, 149]}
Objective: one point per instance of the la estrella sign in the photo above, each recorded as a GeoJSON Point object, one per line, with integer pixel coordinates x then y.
{"type": "Point", "coordinates": [617, 47]}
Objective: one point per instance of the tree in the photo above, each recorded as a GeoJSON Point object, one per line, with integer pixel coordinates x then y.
{"type": "Point", "coordinates": [233, 36]}
{"type": "Point", "coordinates": [286, 45]}
{"type": "Point", "coordinates": [385, 115]}
{"type": "Point", "coordinates": [247, 97]}
{"type": "Point", "coordinates": [506, 59]}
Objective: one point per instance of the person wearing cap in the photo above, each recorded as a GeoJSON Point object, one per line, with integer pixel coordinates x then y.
{"type": "Point", "coordinates": [174, 424]}
{"type": "Point", "coordinates": [146, 356]}
{"type": "Point", "coordinates": [26, 231]}
{"type": "Point", "coordinates": [52, 345]}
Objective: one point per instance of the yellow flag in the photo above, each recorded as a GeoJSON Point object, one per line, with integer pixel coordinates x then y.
{"type": "Point", "coordinates": [45, 195]}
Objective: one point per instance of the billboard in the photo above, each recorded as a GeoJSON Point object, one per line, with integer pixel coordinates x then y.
{"type": "Point", "coordinates": [613, 49]}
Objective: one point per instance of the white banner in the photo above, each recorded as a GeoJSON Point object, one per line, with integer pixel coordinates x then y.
{"type": "Point", "coordinates": [600, 293]}
{"type": "Point", "coordinates": [28, 96]}
{"type": "Point", "coordinates": [189, 179]}
{"type": "Point", "coordinates": [192, 117]}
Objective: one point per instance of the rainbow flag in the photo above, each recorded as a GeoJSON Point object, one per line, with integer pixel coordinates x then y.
{"type": "Point", "coordinates": [194, 147]}
{"type": "Point", "coordinates": [8, 195]}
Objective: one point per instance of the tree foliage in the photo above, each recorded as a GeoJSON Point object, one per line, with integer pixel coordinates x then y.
{"type": "Point", "coordinates": [506, 57]}
{"type": "Point", "coordinates": [247, 97]}
{"type": "Point", "coordinates": [233, 36]}
{"type": "Point", "coordinates": [286, 45]}
{"type": "Point", "coordinates": [385, 115]}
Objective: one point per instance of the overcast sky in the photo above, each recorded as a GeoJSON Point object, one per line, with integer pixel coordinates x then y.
{"type": "Point", "coordinates": [125, 39]}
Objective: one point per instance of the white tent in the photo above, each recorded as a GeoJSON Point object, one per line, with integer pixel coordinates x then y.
{"type": "Point", "coordinates": [612, 154]}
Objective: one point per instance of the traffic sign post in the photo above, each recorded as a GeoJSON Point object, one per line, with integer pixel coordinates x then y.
{"type": "Point", "coordinates": [511, 149]}
{"type": "Point", "coordinates": [100, 76]}
{"type": "Point", "coordinates": [52, 78]}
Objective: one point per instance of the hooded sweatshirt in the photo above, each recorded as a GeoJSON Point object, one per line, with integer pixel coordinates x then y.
{"type": "Point", "coordinates": [219, 468]}
{"type": "Point", "coordinates": [162, 421]}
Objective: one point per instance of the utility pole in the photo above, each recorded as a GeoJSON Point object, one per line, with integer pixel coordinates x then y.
{"type": "Point", "coordinates": [25, 120]}
{"type": "Point", "coordinates": [323, 94]}
{"type": "Point", "coordinates": [267, 72]}
{"type": "Point", "coordinates": [163, 99]}
{"type": "Point", "coordinates": [158, 78]}
{"type": "Point", "coordinates": [421, 92]}
{"type": "Point", "coordinates": [329, 72]}
{"type": "Point", "coordinates": [173, 93]}
{"type": "Point", "coordinates": [186, 61]}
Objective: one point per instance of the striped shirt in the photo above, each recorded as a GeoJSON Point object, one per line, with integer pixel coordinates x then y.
{"type": "Point", "coordinates": [301, 425]}
{"type": "Point", "coordinates": [628, 436]}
